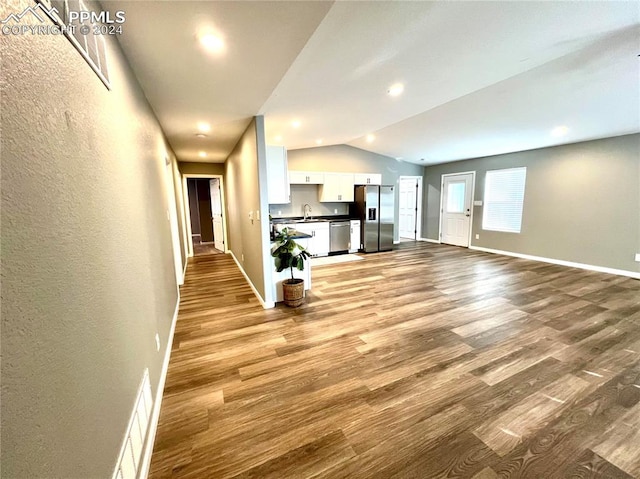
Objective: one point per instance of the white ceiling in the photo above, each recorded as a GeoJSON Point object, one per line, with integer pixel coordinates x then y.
{"type": "Point", "coordinates": [481, 78]}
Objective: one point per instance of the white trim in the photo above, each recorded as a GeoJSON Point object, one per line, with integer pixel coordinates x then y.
{"type": "Point", "coordinates": [473, 195]}
{"type": "Point", "coordinates": [418, 204]}
{"type": "Point", "coordinates": [172, 212]}
{"type": "Point", "coordinates": [155, 415]}
{"type": "Point", "coordinates": [265, 305]}
{"type": "Point", "coordinates": [397, 242]}
{"type": "Point", "coordinates": [429, 240]}
{"type": "Point", "coordinates": [187, 208]}
{"type": "Point", "coordinates": [561, 262]}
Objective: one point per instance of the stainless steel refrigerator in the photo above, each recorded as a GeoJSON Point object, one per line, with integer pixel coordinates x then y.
{"type": "Point", "coordinates": [374, 206]}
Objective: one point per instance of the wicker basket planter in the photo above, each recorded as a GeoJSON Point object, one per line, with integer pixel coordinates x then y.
{"type": "Point", "coordinates": [293, 292]}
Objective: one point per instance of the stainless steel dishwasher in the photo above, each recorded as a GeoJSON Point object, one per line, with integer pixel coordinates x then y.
{"type": "Point", "coordinates": [340, 236]}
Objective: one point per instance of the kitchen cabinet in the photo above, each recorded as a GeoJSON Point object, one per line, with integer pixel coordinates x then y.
{"type": "Point", "coordinates": [319, 243]}
{"type": "Point", "coordinates": [306, 177]}
{"type": "Point", "coordinates": [367, 179]}
{"type": "Point", "coordinates": [354, 245]}
{"type": "Point", "coordinates": [278, 191]}
{"type": "Point", "coordinates": [337, 187]}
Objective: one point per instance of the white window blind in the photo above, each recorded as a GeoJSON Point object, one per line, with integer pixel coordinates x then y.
{"type": "Point", "coordinates": [503, 200]}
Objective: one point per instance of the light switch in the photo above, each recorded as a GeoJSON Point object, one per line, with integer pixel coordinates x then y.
{"type": "Point", "coordinates": [638, 257]}
{"type": "Point", "coordinates": [251, 215]}
{"type": "Point", "coordinates": [258, 215]}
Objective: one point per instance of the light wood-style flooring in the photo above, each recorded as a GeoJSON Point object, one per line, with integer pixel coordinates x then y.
{"type": "Point", "coordinates": [428, 361]}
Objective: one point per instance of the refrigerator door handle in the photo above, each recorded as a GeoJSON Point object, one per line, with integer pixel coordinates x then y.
{"type": "Point", "coordinates": [372, 214]}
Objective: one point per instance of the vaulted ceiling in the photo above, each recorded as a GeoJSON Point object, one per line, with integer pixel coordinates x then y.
{"type": "Point", "coordinates": [480, 78]}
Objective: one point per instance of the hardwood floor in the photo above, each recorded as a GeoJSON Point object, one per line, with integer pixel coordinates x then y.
{"type": "Point", "coordinates": [200, 249]}
{"type": "Point", "coordinates": [429, 361]}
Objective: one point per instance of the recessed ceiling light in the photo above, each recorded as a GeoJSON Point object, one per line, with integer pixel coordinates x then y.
{"type": "Point", "coordinates": [211, 42]}
{"type": "Point", "coordinates": [278, 138]}
{"type": "Point", "coordinates": [204, 127]}
{"type": "Point", "coordinates": [559, 131]}
{"type": "Point", "coordinates": [201, 135]}
{"type": "Point", "coordinates": [370, 138]}
{"type": "Point", "coordinates": [202, 154]}
{"type": "Point", "coordinates": [395, 90]}
{"type": "Point", "coordinates": [319, 141]}
{"type": "Point", "coordinates": [295, 123]}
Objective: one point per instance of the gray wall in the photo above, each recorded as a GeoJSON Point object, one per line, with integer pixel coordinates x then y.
{"type": "Point", "coordinates": [344, 158]}
{"type": "Point", "coordinates": [581, 202]}
{"type": "Point", "coordinates": [249, 239]}
{"type": "Point", "coordinates": [87, 268]}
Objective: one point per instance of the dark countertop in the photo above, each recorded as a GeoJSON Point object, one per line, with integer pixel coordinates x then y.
{"type": "Point", "coordinates": [312, 219]}
{"type": "Point", "coordinates": [297, 235]}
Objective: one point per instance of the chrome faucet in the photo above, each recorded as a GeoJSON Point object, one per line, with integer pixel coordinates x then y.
{"type": "Point", "coordinates": [306, 205]}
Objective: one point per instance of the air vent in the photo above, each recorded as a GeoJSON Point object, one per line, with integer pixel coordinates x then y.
{"type": "Point", "coordinates": [84, 31]}
{"type": "Point", "coordinates": [131, 452]}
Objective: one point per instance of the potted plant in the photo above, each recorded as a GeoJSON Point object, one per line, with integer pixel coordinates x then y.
{"type": "Point", "coordinates": [289, 254]}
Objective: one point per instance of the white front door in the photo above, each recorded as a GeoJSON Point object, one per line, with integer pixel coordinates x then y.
{"type": "Point", "coordinates": [216, 214]}
{"type": "Point", "coordinates": [408, 196]}
{"type": "Point", "coordinates": [456, 208]}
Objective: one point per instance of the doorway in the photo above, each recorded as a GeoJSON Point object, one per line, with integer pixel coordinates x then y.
{"type": "Point", "coordinates": [205, 212]}
{"type": "Point", "coordinates": [456, 212]}
{"type": "Point", "coordinates": [409, 207]}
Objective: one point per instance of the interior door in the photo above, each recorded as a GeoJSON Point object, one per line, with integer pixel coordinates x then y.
{"type": "Point", "coordinates": [216, 214]}
{"type": "Point", "coordinates": [456, 209]}
{"type": "Point", "coordinates": [408, 196]}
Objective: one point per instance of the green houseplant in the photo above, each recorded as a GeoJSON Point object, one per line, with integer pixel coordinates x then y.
{"type": "Point", "coordinates": [289, 254]}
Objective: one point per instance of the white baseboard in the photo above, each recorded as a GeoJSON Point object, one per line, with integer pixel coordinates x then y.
{"type": "Point", "coordinates": [265, 305]}
{"type": "Point", "coordinates": [590, 267]}
{"type": "Point", "coordinates": [396, 242]}
{"type": "Point", "coordinates": [429, 240]}
{"type": "Point", "coordinates": [155, 415]}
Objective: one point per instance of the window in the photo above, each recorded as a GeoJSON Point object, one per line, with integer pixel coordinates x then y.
{"type": "Point", "coordinates": [503, 199]}
{"type": "Point", "coordinates": [455, 197]}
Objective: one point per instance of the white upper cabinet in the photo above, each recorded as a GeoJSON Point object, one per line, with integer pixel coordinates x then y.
{"type": "Point", "coordinates": [337, 187]}
{"type": "Point", "coordinates": [306, 177]}
{"type": "Point", "coordinates": [367, 179]}
{"type": "Point", "coordinates": [277, 175]}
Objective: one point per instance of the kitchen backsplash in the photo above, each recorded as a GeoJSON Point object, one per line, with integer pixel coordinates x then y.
{"type": "Point", "coordinates": [307, 194]}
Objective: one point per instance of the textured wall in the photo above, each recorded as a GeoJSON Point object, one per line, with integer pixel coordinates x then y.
{"type": "Point", "coordinates": [344, 158]}
{"type": "Point", "coordinates": [87, 268]}
{"type": "Point", "coordinates": [581, 202]}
